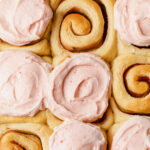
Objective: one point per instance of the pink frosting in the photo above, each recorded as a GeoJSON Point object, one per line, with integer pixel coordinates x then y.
{"type": "Point", "coordinates": [75, 135]}
{"type": "Point", "coordinates": [80, 88]}
{"type": "Point", "coordinates": [134, 134]}
{"type": "Point", "coordinates": [23, 83]}
{"type": "Point", "coordinates": [132, 21]}
{"type": "Point", "coordinates": [23, 21]}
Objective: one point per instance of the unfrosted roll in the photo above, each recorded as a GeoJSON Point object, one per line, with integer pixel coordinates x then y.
{"type": "Point", "coordinates": [131, 77]}
{"type": "Point", "coordinates": [84, 26]}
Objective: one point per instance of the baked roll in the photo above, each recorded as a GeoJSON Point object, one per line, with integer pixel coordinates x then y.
{"type": "Point", "coordinates": [132, 21]}
{"type": "Point", "coordinates": [131, 88]}
{"type": "Point", "coordinates": [132, 134]}
{"type": "Point", "coordinates": [26, 136]}
{"type": "Point", "coordinates": [23, 87]}
{"type": "Point", "coordinates": [25, 25]}
{"type": "Point", "coordinates": [84, 26]}
{"type": "Point", "coordinates": [77, 135]}
{"type": "Point", "coordinates": [80, 88]}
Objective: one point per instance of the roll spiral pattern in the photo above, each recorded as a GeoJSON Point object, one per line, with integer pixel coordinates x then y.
{"type": "Point", "coordinates": [84, 25]}
{"type": "Point", "coordinates": [132, 80]}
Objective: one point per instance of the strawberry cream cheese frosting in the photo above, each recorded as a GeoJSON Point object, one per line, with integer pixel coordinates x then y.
{"type": "Point", "coordinates": [23, 83]}
{"type": "Point", "coordinates": [132, 21]}
{"type": "Point", "coordinates": [75, 135]}
{"type": "Point", "coordinates": [134, 134]}
{"type": "Point", "coordinates": [23, 21]}
{"type": "Point", "coordinates": [80, 88]}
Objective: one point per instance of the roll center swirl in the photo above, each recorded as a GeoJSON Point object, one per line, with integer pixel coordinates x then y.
{"type": "Point", "coordinates": [137, 80]}
{"type": "Point", "coordinates": [83, 27]}
{"type": "Point", "coordinates": [80, 25]}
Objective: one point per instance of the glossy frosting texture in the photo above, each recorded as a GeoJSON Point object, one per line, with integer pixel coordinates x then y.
{"type": "Point", "coordinates": [80, 88]}
{"type": "Point", "coordinates": [134, 134]}
{"type": "Point", "coordinates": [75, 135]}
{"type": "Point", "coordinates": [23, 21]}
{"type": "Point", "coordinates": [23, 83]}
{"type": "Point", "coordinates": [132, 21]}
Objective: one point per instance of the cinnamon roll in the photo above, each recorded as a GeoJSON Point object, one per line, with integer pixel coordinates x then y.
{"type": "Point", "coordinates": [133, 134]}
{"type": "Point", "coordinates": [131, 82]}
{"type": "Point", "coordinates": [132, 21]}
{"type": "Point", "coordinates": [25, 25]}
{"type": "Point", "coordinates": [77, 135]}
{"type": "Point", "coordinates": [23, 86]}
{"type": "Point", "coordinates": [84, 26]}
{"type": "Point", "coordinates": [80, 88]}
{"type": "Point", "coordinates": [27, 136]}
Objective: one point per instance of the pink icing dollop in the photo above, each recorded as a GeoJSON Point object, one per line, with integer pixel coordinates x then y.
{"type": "Point", "coordinates": [75, 135]}
{"type": "Point", "coordinates": [134, 134]}
{"type": "Point", "coordinates": [23, 83]}
{"type": "Point", "coordinates": [23, 21]}
{"type": "Point", "coordinates": [132, 21]}
{"type": "Point", "coordinates": [80, 88]}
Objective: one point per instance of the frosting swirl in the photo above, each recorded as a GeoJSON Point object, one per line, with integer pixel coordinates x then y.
{"type": "Point", "coordinates": [22, 22]}
{"type": "Point", "coordinates": [132, 21]}
{"type": "Point", "coordinates": [77, 136]}
{"type": "Point", "coordinates": [80, 88]}
{"type": "Point", "coordinates": [133, 134]}
{"type": "Point", "coordinates": [23, 84]}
